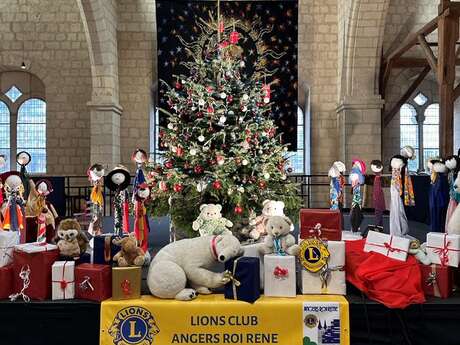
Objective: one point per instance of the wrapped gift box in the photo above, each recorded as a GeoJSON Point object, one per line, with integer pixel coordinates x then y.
{"type": "Point", "coordinates": [280, 276]}
{"type": "Point", "coordinates": [6, 281]}
{"type": "Point", "coordinates": [104, 249]}
{"type": "Point", "coordinates": [245, 283]}
{"type": "Point", "coordinates": [436, 280]}
{"type": "Point", "coordinates": [126, 283]}
{"type": "Point", "coordinates": [391, 246]}
{"type": "Point", "coordinates": [443, 249]}
{"type": "Point", "coordinates": [330, 280]}
{"type": "Point", "coordinates": [93, 282]}
{"type": "Point", "coordinates": [36, 260]}
{"type": "Point", "coordinates": [351, 236]}
{"type": "Point", "coordinates": [252, 250]}
{"type": "Point", "coordinates": [8, 239]}
{"type": "Point", "coordinates": [63, 280]}
{"type": "Point", "coordinates": [330, 220]}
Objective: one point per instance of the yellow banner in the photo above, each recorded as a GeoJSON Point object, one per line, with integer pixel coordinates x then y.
{"type": "Point", "coordinates": [304, 320]}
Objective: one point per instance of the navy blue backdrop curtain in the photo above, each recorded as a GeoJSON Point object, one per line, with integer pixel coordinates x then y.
{"type": "Point", "coordinates": [280, 18]}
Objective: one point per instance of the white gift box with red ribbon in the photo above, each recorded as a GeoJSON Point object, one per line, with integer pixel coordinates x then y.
{"type": "Point", "coordinates": [35, 247]}
{"type": "Point", "coordinates": [394, 247]}
{"type": "Point", "coordinates": [280, 276]}
{"type": "Point", "coordinates": [8, 239]}
{"type": "Point", "coordinates": [63, 280]}
{"type": "Point", "coordinates": [443, 249]}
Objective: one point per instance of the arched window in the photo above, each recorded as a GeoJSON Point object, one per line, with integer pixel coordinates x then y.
{"type": "Point", "coordinates": [31, 133]}
{"type": "Point", "coordinates": [419, 127]}
{"type": "Point", "coordinates": [5, 134]}
{"type": "Point", "coordinates": [23, 119]}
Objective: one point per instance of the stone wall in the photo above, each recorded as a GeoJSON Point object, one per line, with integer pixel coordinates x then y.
{"type": "Point", "coordinates": [49, 36]}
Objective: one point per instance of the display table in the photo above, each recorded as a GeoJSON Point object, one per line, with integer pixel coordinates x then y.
{"type": "Point", "coordinates": [215, 320]}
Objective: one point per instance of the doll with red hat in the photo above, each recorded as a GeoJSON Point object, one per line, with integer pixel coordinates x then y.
{"type": "Point", "coordinates": [141, 222]}
{"type": "Point", "coordinates": [40, 213]}
{"type": "Point", "coordinates": [356, 180]}
{"type": "Point", "coordinates": [95, 175]}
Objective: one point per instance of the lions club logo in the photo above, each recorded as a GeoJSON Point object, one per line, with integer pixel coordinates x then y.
{"type": "Point", "coordinates": [313, 254]}
{"type": "Point", "coordinates": [133, 326]}
{"type": "Point", "coordinates": [311, 321]}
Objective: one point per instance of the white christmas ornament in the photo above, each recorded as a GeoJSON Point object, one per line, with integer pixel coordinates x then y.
{"type": "Point", "coordinates": [222, 119]}
{"type": "Point", "coordinates": [283, 177]}
{"type": "Point", "coordinates": [201, 138]}
{"type": "Point", "coordinates": [170, 126]}
{"type": "Point", "coordinates": [223, 95]}
{"type": "Point", "coordinates": [230, 191]}
{"type": "Point", "coordinates": [205, 149]}
{"type": "Point", "coordinates": [201, 186]}
{"type": "Point", "coordinates": [193, 108]}
{"type": "Point", "coordinates": [240, 189]}
{"type": "Point", "coordinates": [201, 102]}
{"type": "Point", "coordinates": [174, 149]}
{"type": "Point", "coordinates": [245, 97]}
{"type": "Point", "coordinates": [245, 108]}
{"type": "Point", "coordinates": [192, 152]}
{"type": "Point", "coordinates": [242, 64]}
{"type": "Point", "coordinates": [266, 100]}
{"type": "Point", "coordinates": [266, 176]}
{"type": "Point", "coordinates": [244, 162]}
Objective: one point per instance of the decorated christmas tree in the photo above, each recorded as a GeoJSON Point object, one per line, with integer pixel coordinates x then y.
{"type": "Point", "coordinates": [220, 143]}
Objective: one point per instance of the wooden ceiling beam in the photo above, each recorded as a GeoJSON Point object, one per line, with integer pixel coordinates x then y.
{"type": "Point", "coordinates": [432, 61]}
{"type": "Point", "coordinates": [410, 62]}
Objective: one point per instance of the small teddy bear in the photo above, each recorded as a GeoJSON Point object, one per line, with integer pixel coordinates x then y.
{"type": "Point", "coordinates": [211, 222]}
{"type": "Point", "coordinates": [279, 240]}
{"type": "Point", "coordinates": [71, 240]}
{"type": "Point", "coordinates": [130, 254]}
{"type": "Point", "coordinates": [270, 208]}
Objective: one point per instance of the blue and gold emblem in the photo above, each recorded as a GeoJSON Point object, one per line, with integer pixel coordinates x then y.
{"type": "Point", "coordinates": [133, 326]}
{"type": "Point", "coordinates": [313, 254]}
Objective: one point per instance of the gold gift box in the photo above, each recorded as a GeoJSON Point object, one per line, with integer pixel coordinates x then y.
{"type": "Point", "coordinates": [126, 282]}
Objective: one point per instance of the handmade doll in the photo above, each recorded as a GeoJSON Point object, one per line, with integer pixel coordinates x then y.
{"type": "Point", "coordinates": [118, 181]}
{"type": "Point", "coordinates": [408, 153]}
{"type": "Point", "coordinates": [13, 212]}
{"type": "Point", "coordinates": [140, 158]}
{"type": "Point", "coordinates": [357, 179]}
{"type": "Point", "coordinates": [96, 177]}
{"type": "Point", "coordinates": [453, 165]}
{"type": "Point", "coordinates": [141, 222]}
{"type": "Point", "coordinates": [378, 197]}
{"type": "Point", "coordinates": [340, 166]}
{"type": "Point", "coordinates": [399, 225]}
{"type": "Point", "coordinates": [335, 188]}
{"type": "Point", "coordinates": [439, 195]}
{"type": "Point", "coordinates": [40, 214]}
{"type": "Point", "coordinates": [23, 158]}
{"type": "Point", "coordinates": [2, 165]}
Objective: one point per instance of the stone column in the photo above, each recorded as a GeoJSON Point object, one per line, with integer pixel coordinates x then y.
{"type": "Point", "coordinates": [359, 126]}
{"type": "Point", "coordinates": [105, 133]}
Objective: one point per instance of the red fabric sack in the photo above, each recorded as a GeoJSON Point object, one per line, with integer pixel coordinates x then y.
{"type": "Point", "coordinates": [330, 220]}
{"type": "Point", "coordinates": [6, 281]}
{"type": "Point", "coordinates": [40, 272]}
{"type": "Point", "coordinates": [394, 283]}
{"type": "Point", "coordinates": [436, 280]}
{"type": "Point", "coordinates": [93, 282]}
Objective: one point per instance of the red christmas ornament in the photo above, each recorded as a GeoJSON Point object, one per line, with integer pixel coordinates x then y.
{"type": "Point", "coordinates": [199, 114]}
{"type": "Point", "coordinates": [217, 184]}
{"type": "Point", "coordinates": [229, 99]}
{"type": "Point", "coordinates": [179, 151]}
{"type": "Point", "coordinates": [266, 92]}
{"type": "Point", "coordinates": [178, 85]}
{"type": "Point", "coordinates": [209, 89]}
{"type": "Point", "coordinates": [161, 134]}
{"type": "Point", "coordinates": [221, 26]}
{"type": "Point", "coordinates": [224, 44]}
{"type": "Point", "coordinates": [178, 187]}
{"type": "Point", "coordinates": [262, 184]}
{"type": "Point", "coordinates": [238, 209]}
{"type": "Point", "coordinates": [163, 186]}
{"type": "Point", "coordinates": [198, 169]}
{"type": "Point", "coordinates": [234, 37]}
{"type": "Point", "coordinates": [168, 165]}
{"type": "Point", "coordinates": [210, 110]}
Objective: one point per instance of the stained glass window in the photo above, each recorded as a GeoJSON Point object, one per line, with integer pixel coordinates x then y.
{"type": "Point", "coordinates": [409, 132]}
{"type": "Point", "coordinates": [5, 135]}
{"type": "Point", "coordinates": [297, 158]}
{"type": "Point", "coordinates": [13, 93]}
{"type": "Point", "coordinates": [31, 133]}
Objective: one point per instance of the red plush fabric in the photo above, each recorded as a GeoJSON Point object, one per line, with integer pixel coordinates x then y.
{"type": "Point", "coordinates": [394, 283]}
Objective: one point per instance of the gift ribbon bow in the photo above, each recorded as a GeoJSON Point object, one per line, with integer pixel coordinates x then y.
{"type": "Point", "coordinates": [232, 276]}
{"type": "Point", "coordinates": [25, 277]}
{"type": "Point", "coordinates": [325, 275]}
{"type": "Point", "coordinates": [443, 252]}
{"type": "Point", "coordinates": [63, 283]}
{"type": "Point", "coordinates": [389, 247]}
{"type": "Point", "coordinates": [280, 272]}
{"type": "Point", "coordinates": [86, 284]}
{"type": "Point", "coordinates": [278, 248]}
{"type": "Point", "coordinates": [432, 280]}
{"type": "Point", "coordinates": [5, 252]}
{"type": "Point", "coordinates": [126, 287]}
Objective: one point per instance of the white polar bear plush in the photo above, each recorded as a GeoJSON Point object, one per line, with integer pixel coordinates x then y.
{"type": "Point", "coordinates": [211, 222]}
{"type": "Point", "coordinates": [271, 208]}
{"type": "Point", "coordinates": [186, 263]}
{"type": "Point", "coordinates": [453, 227]}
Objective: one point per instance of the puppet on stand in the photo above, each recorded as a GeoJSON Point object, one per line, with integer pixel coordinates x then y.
{"type": "Point", "coordinates": [378, 198]}
{"type": "Point", "coordinates": [96, 177]}
{"type": "Point", "coordinates": [357, 179]}
{"type": "Point", "coordinates": [141, 221]}
{"type": "Point", "coordinates": [13, 210]}
{"type": "Point", "coordinates": [399, 225]}
{"type": "Point", "coordinates": [118, 181]}
{"type": "Point", "coordinates": [2, 165]}
{"type": "Point", "coordinates": [140, 158]}
{"type": "Point", "coordinates": [453, 165]}
{"type": "Point", "coordinates": [439, 195]}
{"type": "Point", "coordinates": [335, 188]}
{"type": "Point", "coordinates": [340, 166]}
{"type": "Point", "coordinates": [408, 153]}
{"type": "Point", "coordinates": [40, 214]}
{"type": "Point", "coordinates": [23, 159]}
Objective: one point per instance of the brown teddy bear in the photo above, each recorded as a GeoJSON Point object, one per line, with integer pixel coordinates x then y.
{"type": "Point", "coordinates": [70, 239]}
{"type": "Point", "coordinates": [130, 254]}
